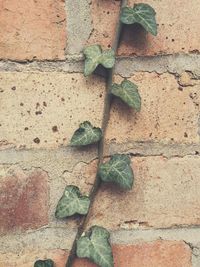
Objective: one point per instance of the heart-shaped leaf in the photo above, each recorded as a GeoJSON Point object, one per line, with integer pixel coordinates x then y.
{"type": "Point", "coordinates": [95, 56]}
{"type": "Point", "coordinates": [44, 263]}
{"type": "Point", "coordinates": [118, 170]}
{"type": "Point", "coordinates": [128, 92]}
{"type": "Point", "coordinates": [86, 134]}
{"type": "Point", "coordinates": [143, 14]}
{"type": "Point", "coordinates": [72, 202]}
{"type": "Point", "coordinates": [95, 246]}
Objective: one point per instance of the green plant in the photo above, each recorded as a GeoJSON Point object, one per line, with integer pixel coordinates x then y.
{"type": "Point", "coordinates": [94, 244]}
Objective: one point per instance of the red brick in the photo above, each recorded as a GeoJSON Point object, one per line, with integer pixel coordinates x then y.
{"type": "Point", "coordinates": [32, 29]}
{"type": "Point", "coordinates": [155, 254]}
{"type": "Point", "coordinates": [158, 253]}
{"type": "Point", "coordinates": [23, 199]}
{"type": "Point", "coordinates": [178, 22]}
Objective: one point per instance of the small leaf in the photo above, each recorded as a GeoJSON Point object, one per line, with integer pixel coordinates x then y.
{"type": "Point", "coordinates": [95, 56]}
{"type": "Point", "coordinates": [95, 246]}
{"type": "Point", "coordinates": [117, 170]}
{"type": "Point", "coordinates": [143, 14]}
{"type": "Point", "coordinates": [108, 58]}
{"type": "Point", "coordinates": [86, 134]}
{"type": "Point", "coordinates": [44, 263]}
{"type": "Point", "coordinates": [72, 202]}
{"type": "Point", "coordinates": [128, 92]}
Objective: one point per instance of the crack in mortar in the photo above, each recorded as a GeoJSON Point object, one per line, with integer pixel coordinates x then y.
{"type": "Point", "coordinates": [146, 149]}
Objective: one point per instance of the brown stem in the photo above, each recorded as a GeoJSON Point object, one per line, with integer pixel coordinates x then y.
{"type": "Point", "coordinates": [106, 115]}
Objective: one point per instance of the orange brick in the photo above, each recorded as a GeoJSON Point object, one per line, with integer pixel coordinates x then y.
{"type": "Point", "coordinates": [32, 29]}
{"type": "Point", "coordinates": [177, 31]}
{"type": "Point", "coordinates": [165, 194]}
{"type": "Point", "coordinates": [154, 254]}
{"type": "Point", "coordinates": [168, 114]}
{"type": "Point", "coordinates": [158, 253]}
{"type": "Point", "coordinates": [43, 109]}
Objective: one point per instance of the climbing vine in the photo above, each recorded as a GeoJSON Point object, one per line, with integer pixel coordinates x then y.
{"type": "Point", "coordinates": [94, 244]}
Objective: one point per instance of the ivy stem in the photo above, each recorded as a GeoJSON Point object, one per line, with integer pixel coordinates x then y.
{"type": "Point", "coordinates": [101, 146]}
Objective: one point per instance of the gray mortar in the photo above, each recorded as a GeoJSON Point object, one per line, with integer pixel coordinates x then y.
{"type": "Point", "coordinates": [43, 66]}
{"type": "Point", "coordinates": [196, 256]}
{"type": "Point", "coordinates": [46, 238]}
{"type": "Point", "coordinates": [175, 64]}
{"type": "Point", "coordinates": [79, 25]}
{"type": "Point", "coordinates": [52, 161]}
{"type": "Point", "coordinates": [154, 149]}
{"type": "Point", "coordinates": [61, 238]}
{"type": "Point", "coordinates": [125, 67]}
{"type": "Point", "coordinates": [190, 235]}
{"type": "Point", "coordinates": [58, 160]}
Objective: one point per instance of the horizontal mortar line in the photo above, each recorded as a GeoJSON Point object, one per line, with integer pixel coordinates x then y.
{"type": "Point", "coordinates": [141, 149]}
{"type": "Point", "coordinates": [137, 149]}
{"type": "Point", "coordinates": [125, 66]}
{"type": "Point", "coordinates": [44, 238]}
{"type": "Point", "coordinates": [61, 238]}
{"type": "Point", "coordinates": [187, 234]}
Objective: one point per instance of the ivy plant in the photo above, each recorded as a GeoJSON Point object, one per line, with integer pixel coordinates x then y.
{"type": "Point", "coordinates": [117, 170]}
{"type": "Point", "coordinates": [128, 93]}
{"type": "Point", "coordinates": [143, 14]}
{"type": "Point", "coordinates": [94, 244]}
{"type": "Point", "coordinates": [44, 263]}
{"type": "Point", "coordinates": [86, 135]}
{"type": "Point", "coordinates": [72, 202]}
{"type": "Point", "coordinates": [95, 56]}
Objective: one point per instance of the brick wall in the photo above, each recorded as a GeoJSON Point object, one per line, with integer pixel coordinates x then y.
{"type": "Point", "coordinates": [43, 98]}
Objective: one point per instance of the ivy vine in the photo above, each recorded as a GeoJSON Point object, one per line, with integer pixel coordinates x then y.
{"type": "Point", "coordinates": [95, 243]}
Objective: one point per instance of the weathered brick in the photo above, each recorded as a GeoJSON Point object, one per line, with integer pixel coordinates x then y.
{"type": "Point", "coordinates": [27, 258]}
{"type": "Point", "coordinates": [169, 112]}
{"type": "Point", "coordinates": [32, 29]}
{"type": "Point", "coordinates": [158, 253]}
{"type": "Point", "coordinates": [23, 199]}
{"type": "Point", "coordinates": [178, 22]}
{"type": "Point", "coordinates": [165, 194]}
{"type": "Point", "coordinates": [44, 109]}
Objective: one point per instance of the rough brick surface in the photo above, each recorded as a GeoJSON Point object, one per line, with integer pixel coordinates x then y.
{"type": "Point", "coordinates": [169, 111]}
{"type": "Point", "coordinates": [158, 253]}
{"type": "Point", "coordinates": [165, 194]}
{"type": "Point", "coordinates": [178, 22]}
{"type": "Point", "coordinates": [42, 103]}
{"type": "Point", "coordinates": [32, 29]}
{"type": "Point", "coordinates": [44, 109]}
{"type": "Point", "coordinates": [23, 199]}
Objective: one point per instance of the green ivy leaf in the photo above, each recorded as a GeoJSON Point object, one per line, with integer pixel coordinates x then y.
{"type": "Point", "coordinates": [128, 92]}
{"type": "Point", "coordinates": [86, 134]}
{"type": "Point", "coordinates": [95, 56]}
{"type": "Point", "coordinates": [44, 263]}
{"type": "Point", "coordinates": [95, 246]}
{"type": "Point", "coordinates": [118, 170]}
{"type": "Point", "coordinates": [72, 202]}
{"type": "Point", "coordinates": [143, 14]}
